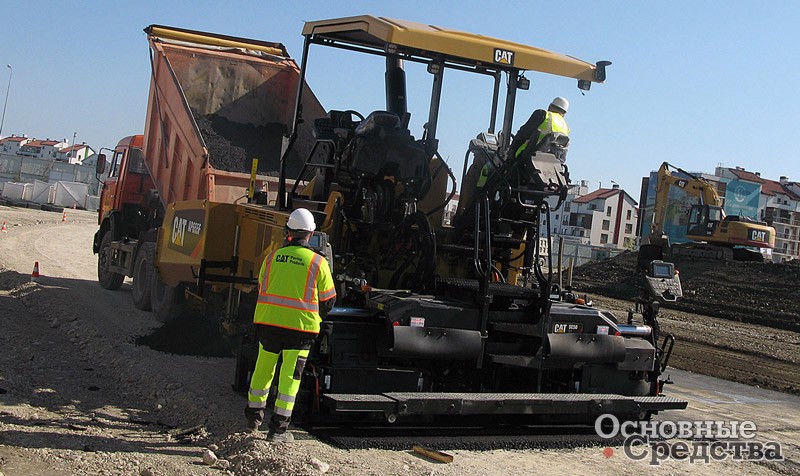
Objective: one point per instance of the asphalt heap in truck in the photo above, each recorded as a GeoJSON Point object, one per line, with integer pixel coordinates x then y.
{"type": "Point", "coordinates": [232, 146]}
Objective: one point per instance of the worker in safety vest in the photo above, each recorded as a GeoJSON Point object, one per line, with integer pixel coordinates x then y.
{"type": "Point", "coordinates": [533, 131]}
{"type": "Point", "coordinates": [539, 125]}
{"type": "Point", "coordinates": [295, 289]}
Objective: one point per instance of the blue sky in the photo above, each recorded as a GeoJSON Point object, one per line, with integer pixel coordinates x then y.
{"type": "Point", "coordinates": [697, 84]}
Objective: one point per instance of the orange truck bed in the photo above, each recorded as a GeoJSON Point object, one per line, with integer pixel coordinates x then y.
{"type": "Point", "coordinates": [215, 103]}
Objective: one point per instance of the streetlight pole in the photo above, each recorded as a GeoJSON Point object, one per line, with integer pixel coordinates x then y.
{"type": "Point", "coordinates": [10, 73]}
{"type": "Point", "coordinates": [72, 151]}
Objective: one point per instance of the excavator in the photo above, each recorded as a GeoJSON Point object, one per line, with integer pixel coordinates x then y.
{"type": "Point", "coordinates": [712, 233]}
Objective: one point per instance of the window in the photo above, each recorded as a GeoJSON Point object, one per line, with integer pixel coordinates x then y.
{"type": "Point", "coordinates": [566, 206]}
{"type": "Point", "coordinates": [115, 164]}
{"type": "Point", "coordinates": [629, 228]}
{"type": "Point", "coordinates": [592, 207]}
{"type": "Point", "coordinates": [608, 211]}
{"type": "Point", "coordinates": [566, 220]}
{"type": "Point", "coordinates": [606, 224]}
{"type": "Point", "coordinates": [603, 238]}
{"type": "Point", "coordinates": [628, 215]}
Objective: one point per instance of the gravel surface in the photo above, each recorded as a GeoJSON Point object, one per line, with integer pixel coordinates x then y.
{"type": "Point", "coordinates": [79, 396]}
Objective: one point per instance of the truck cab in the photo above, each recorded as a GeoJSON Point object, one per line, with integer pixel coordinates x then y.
{"type": "Point", "coordinates": [130, 209]}
{"type": "Point", "coordinates": [128, 189]}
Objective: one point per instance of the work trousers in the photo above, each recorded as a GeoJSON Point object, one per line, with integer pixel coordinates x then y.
{"type": "Point", "coordinates": [293, 361]}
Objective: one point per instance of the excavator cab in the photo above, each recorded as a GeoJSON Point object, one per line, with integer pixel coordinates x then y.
{"type": "Point", "coordinates": [704, 220]}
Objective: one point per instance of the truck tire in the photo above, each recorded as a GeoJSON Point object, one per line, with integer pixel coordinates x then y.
{"type": "Point", "coordinates": [143, 276]}
{"type": "Point", "coordinates": [107, 279]}
{"type": "Point", "coordinates": [168, 303]}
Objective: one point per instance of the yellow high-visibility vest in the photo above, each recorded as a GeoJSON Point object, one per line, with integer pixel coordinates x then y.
{"type": "Point", "coordinates": [553, 122]}
{"type": "Point", "coordinates": [292, 282]}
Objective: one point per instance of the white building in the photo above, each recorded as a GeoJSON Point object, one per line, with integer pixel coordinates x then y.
{"type": "Point", "coordinates": [75, 154]}
{"type": "Point", "coordinates": [42, 149]}
{"type": "Point", "coordinates": [46, 149]}
{"type": "Point", "coordinates": [605, 217]}
{"type": "Point", "coordinates": [11, 144]}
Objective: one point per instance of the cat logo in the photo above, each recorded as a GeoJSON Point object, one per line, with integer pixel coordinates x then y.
{"type": "Point", "coordinates": [178, 230]}
{"type": "Point", "coordinates": [504, 57]}
{"type": "Point", "coordinates": [281, 258]}
{"type": "Point", "coordinates": [181, 226]}
{"type": "Point", "coordinates": [567, 328]}
{"type": "Point", "coordinates": [758, 235]}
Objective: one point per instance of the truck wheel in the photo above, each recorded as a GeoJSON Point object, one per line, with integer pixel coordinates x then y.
{"type": "Point", "coordinates": [142, 276]}
{"type": "Point", "coordinates": [167, 303]}
{"type": "Point", "coordinates": [107, 279]}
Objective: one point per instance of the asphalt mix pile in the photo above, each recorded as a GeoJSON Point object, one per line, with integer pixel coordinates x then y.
{"type": "Point", "coordinates": [232, 146]}
{"type": "Point", "coordinates": [189, 336]}
{"type": "Point", "coordinates": [756, 293]}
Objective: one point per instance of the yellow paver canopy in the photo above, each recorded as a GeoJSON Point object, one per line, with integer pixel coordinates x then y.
{"type": "Point", "coordinates": [458, 46]}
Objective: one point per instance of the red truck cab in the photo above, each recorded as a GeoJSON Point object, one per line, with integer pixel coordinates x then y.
{"type": "Point", "coordinates": [130, 212]}
{"type": "Point", "coordinates": [128, 180]}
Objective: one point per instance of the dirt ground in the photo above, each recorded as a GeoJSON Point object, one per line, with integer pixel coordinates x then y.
{"type": "Point", "coordinates": [738, 321]}
{"type": "Point", "coordinates": [79, 396]}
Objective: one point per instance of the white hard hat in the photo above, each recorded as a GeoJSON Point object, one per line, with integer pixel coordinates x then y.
{"type": "Point", "coordinates": [301, 220]}
{"type": "Point", "coordinates": [561, 104]}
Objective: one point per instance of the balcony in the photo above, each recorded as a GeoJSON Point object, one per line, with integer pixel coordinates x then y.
{"type": "Point", "coordinates": [29, 152]}
{"type": "Point", "coordinates": [786, 205]}
{"type": "Point", "coordinates": [785, 221]}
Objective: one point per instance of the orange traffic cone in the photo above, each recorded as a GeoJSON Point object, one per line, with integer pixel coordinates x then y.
{"type": "Point", "coordinates": [4, 229]}
{"type": "Point", "coordinates": [64, 217]}
{"type": "Point", "coordinates": [35, 273]}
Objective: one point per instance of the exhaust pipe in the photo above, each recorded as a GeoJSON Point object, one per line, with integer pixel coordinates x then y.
{"type": "Point", "coordinates": [634, 331]}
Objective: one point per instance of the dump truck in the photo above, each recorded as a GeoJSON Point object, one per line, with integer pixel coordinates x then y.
{"type": "Point", "coordinates": [216, 102]}
{"type": "Point", "coordinates": [712, 234]}
{"type": "Point", "coordinates": [449, 323]}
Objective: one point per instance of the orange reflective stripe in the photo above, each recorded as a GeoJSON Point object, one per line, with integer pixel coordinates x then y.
{"type": "Point", "coordinates": [311, 278]}
{"type": "Point", "coordinates": [329, 294]}
{"type": "Point", "coordinates": [265, 280]}
{"type": "Point", "coordinates": [270, 324]}
{"type": "Point", "coordinates": [290, 303]}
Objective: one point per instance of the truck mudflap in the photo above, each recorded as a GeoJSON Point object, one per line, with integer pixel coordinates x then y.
{"type": "Point", "coordinates": [428, 403]}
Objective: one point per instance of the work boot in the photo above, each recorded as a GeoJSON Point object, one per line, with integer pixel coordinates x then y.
{"type": "Point", "coordinates": [284, 437]}
{"type": "Point", "coordinates": [254, 418]}
{"type": "Point", "coordinates": [252, 425]}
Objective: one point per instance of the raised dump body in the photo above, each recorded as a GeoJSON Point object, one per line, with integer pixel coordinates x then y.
{"type": "Point", "coordinates": [217, 102]}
